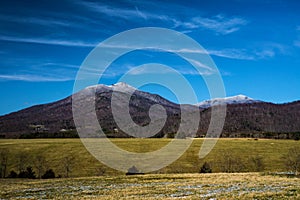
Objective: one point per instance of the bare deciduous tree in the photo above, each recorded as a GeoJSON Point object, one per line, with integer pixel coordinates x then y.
{"type": "Point", "coordinates": [3, 162]}
{"type": "Point", "coordinates": [230, 163]}
{"type": "Point", "coordinates": [68, 163]}
{"type": "Point", "coordinates": [258, 164]}
{"type": "Point", "coordinates": [22, 161]}
{"type": "Point", "coordinates": [292, 160]}
{"type": "Point", "coordinates": [40, 165]}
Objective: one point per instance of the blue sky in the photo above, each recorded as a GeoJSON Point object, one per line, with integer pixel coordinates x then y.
{"type": "Point", "coordinates": [254, 44]}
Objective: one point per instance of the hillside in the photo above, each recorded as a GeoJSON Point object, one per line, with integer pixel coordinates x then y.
{"type": "Point", "coordinates": [259, 119]}
{"type": "Point", "coordinates": [245, 117]}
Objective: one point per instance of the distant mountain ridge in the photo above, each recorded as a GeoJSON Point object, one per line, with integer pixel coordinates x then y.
{"type": "Point", "coordinates": [239, 99]}
{"type": "Point", "coordinates": [246, 117]}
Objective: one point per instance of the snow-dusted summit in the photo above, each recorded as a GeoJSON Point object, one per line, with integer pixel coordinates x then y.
{"type": "Point", "coordinates": [125, 88]}
{"type": "Point", "coordinates": [122, 87]}
{"type": "Point", "coordinates": [239, 99]}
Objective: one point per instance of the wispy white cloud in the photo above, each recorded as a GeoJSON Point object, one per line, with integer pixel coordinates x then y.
{"type": "Point", "coordinates": [200, 65]}
{"type": "Point", "coordinates": [270, 50]}
{"type": "Point", "coordinates": [59, 22]}
{"type": "Point", "coordinates": [148, 70]}
{"type": "Point", "coordinates": [40, 72]}
{"type": "Point", "coordinates": [152, 69]}
{"type": "Point", "coordinates": [227, 53]}
{"type": "Point", "coordinates": [266, 51]}
{"type": "Point", "coordinates": [48, 41]}
{"type": "Point", "coordinates": [53, 64]}
{"type": "Point", "coordinates": [123, 13]}
{"type": "Point", "coordinates": [219, 24]}
{"type": "Point", "coordinates": [31, 78]}
{"type": "Point", "coordinates": [141, 14]}
{"type": "Point", "coordinates": [239, 54]}
{"type": "Point", "coordinates": [37, 21]}
{"type": "Point", "coordinates": [109, 11]}
{"type": "Point", "coordinates": [262, 51]}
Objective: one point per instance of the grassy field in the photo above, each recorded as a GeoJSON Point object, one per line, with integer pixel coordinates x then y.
{"type": "Point", "coordinates": [242, 151]}
{"type": "Point", "coordinates": [155, 186]}
{"type": "Point", "coordinates": [92, 180]}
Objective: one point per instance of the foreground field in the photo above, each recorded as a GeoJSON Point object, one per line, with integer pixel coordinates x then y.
{"type": "Point", "coordinates": [158, 186]}
{"type": "Point", "coordinates": [244, 155]}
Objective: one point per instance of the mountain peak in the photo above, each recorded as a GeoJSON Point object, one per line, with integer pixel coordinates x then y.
{"type": "Point", "coordinates": [241, 95]}
{"type": "Point", "coordinates": [238, 99]}
{"type": "Point", "coordinates": [122, 87]}
{"type": "Point", "coordinates": [92, 87]}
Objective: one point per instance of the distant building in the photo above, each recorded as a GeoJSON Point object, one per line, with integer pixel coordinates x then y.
{"type": "Point", "coordinates": [38, 128]}
{"type": "Point", "coordinates": [116, 130]}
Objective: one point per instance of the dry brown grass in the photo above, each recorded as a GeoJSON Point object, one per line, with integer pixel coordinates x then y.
{"type": "Point", "coordinates": [156, 186]}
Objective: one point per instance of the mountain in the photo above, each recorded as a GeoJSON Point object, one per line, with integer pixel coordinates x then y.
{"type": "Point", "coordinates": [56, 119]}
{"type": "Point", "coordinates": [245, 117]}
{"type": "Point", "coordinates": [259, 119]}
{"type": "Point", "coordinates": [239, 99]}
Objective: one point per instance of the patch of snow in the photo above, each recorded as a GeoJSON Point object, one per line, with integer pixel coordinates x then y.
{"type": "Point", "coordinates": [98, 86]}
{"type": "Point", "coordinates": [239, 99]}
{"type": "Point", "coordinates": [122, 87]}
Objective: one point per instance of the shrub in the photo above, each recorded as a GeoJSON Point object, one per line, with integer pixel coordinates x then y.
{"type": "Point", "coordinates": [133, 170]}
{"type": "Point", "coordinates": [12, 174]}
{"type": "Point", "coordinates": [29, 173]}
{"type": "Point", "coordinates": [206, 168]}
{"type": "Point", "coordinates": [49, 174]}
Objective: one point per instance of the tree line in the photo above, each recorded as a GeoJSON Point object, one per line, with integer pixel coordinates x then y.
{"type": "Point", "coordinates": [32, 167]}
{"type": "Point", "coordinates": [22, 165]}
{"type": "Point", "coordinates": [230, 163]}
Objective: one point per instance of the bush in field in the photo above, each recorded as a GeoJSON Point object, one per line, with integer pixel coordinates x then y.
{"type": "Point", "coordinates": [206, 168]}
{"type": "Point", "coordinates": [12, 174]}
{"type": "Point", "coordinates": [29, 173]}
{"type": "Point", "coordinates": [22, 174]}
{"type": "Point", "coordinates": [132, 170]}
{"type": "Point", "coordinates": [49, 174]}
